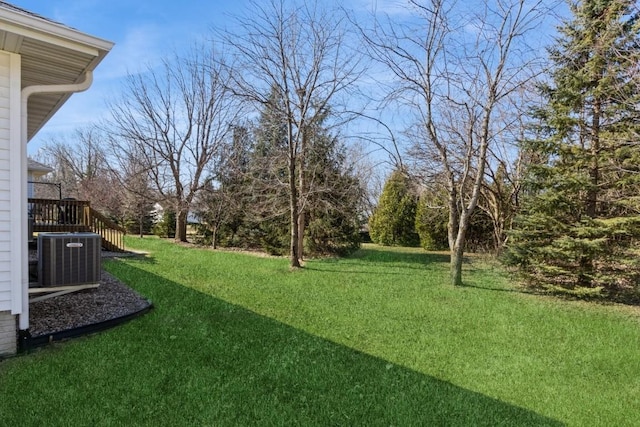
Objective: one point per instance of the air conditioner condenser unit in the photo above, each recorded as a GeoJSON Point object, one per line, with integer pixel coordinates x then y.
{"type": "Point", "coordinates": [69, 259]}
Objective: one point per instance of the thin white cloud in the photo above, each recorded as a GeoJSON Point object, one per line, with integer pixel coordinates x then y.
{"type": "Point", "coordinates": [139, 48]}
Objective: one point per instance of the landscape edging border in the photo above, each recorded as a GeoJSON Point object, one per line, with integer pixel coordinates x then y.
{"type": "Point", "coordinates": [27, 342]}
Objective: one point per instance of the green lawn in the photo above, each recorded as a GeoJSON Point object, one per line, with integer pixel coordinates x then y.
{"type": "Point", "coordinates": [379, 338]}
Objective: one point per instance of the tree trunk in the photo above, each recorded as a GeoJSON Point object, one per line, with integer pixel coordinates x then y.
{"type": "Point", "coordinates": [301, 225]}
{"type": "Point", "coordinates": [594, 169]}
{"type": "Point", "coordinates": [294, 260]}
{"type": "Point", "coordinates": [499, 235]}
{"type": "Point", "coordinates": [457, 255]}
{"type": "Point", "coordinates": [181, 226]}
{"type": "Point", "coordinates": [457, 252]}
{"type": "Point", "coordinates": [293, 206]}
{"type": "Point", "coordinates": [452, 225]}
{"type": "Point", "coordinates": [456, 249]}
{"type": "Point", "coordinates": [302, 186]}
{"type": "Point", "coordinates": [216, 226]}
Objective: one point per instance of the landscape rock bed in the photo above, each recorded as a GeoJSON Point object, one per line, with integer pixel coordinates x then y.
{"type": "Point", "coordinates": [111, 300]}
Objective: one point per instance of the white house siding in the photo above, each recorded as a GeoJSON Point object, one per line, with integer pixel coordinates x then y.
{"type": "Point", "coordinates": [9, 276]}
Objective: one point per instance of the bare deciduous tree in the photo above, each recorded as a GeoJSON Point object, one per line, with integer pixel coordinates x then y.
{"type": "Point", "coordinates": [224, 202]}
{"type": "Point", "coordinates": [81, 168]}
{"type": "Point", "coordinates": [178, 118]}
{"type": "Point", "coordinates": [133, 173]}
{"type": "Point", "coordinates": [452, 70]}
{"type": "Point", "coordinates": [504, 172]}
{"type": "Point", "coordinates": [301, 52]}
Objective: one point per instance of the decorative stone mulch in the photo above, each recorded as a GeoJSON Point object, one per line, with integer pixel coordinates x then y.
{"type": "Point", "coordinates": [110, 300]}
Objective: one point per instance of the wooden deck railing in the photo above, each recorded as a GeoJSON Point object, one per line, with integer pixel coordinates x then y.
{"type": "Point", "coordinates": [48, 215]}
{"type": "Point", "coordinates": [112, 234]}
{"type": "Point", "coordinates": [58, 215]}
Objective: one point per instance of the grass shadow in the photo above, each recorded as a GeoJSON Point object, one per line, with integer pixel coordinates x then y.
{"type": "Point", "coordinates": [323, 268]}
{"type": "Point", "coordinates": [387, 256]}
{"type": "Point", "coordinates": [143, 258]}
{"type": "Point", "coordinates": [411, 259]}
{"type": "Point", "coordinates": [198, 360]}
{"type": "Point", "coordinates": [517, 290]}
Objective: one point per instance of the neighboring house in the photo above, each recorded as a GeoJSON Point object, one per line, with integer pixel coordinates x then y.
{"type": "Point", "coordinates": [157, 214]}
{"type": "Point", "coordinates": [35, 171]}
{"type": "Point", "coordinates": [41, 64]}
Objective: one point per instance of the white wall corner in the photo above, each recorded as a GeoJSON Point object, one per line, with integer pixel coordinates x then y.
{"type": "Point", "coordinates": [18, 191]}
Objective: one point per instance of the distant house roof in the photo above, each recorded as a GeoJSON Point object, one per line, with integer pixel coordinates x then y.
{"type": "Point", "coordinates": [37, 169]}
{"type": "Point", "coordinates": [50, 54]}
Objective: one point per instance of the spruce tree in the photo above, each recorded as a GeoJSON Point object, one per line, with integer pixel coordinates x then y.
{"type": "Point", "coordinates": [580, 224]}
{"type": "Point", "coordinates": [267, 214]}
{"type": "Point", "coordinates": [393, 221]}
{"type": "Point", "coordinates": [432, 217]}
{"type": "Point", "coordinates": [331, 197]}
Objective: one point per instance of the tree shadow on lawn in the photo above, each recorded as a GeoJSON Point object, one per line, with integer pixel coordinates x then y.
{"type": "Point", "coordinates": [383, 255]}
{"type": "Point", "coordinates": [413, 261]}
{"type": "Point", "coordinates": [485, 287]}
{"type": "Point", "coordinates": [198, 360]}
{"type": "Point", "coordinates": [366, 257]}
{"type": "Point", "coordinates": [379, 255]}
{"type": "Point", "coordinates": [141, 257]}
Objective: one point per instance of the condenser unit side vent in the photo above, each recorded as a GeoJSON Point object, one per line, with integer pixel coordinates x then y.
{"type": "Point", "coordinates": [69, 258]}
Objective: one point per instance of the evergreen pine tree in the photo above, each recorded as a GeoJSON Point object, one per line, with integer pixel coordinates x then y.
{"type": "Point", "coordinates": [334, 197]}
{"type": "Point", "coordinates": [393, 221]}
{"type": "Point", "coordinates": [580, 224]}
{"type": "Point", "coordinates": [331, 198]}
{"type": "Point", "coordinates": [267, 217]}
{"type": "Point", "coordinates": [221, 203]}
{"type": "Point", "coordinates": [432, 217]}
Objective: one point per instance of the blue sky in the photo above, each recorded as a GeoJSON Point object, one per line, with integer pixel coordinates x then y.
{"type": "Point", "coordinates": [144, 31]}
